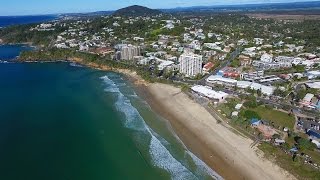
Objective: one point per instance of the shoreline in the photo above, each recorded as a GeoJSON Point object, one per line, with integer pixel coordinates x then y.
{"type": "Point", "coordinates": [230, 154]}
{"type": "Point", "coordinates": [222, 150]}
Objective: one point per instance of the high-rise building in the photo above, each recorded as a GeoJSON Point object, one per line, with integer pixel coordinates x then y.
{"type": "Point", "coordinates": [190, 64]}
{"type": "Point", "coordinates": [129, 52]}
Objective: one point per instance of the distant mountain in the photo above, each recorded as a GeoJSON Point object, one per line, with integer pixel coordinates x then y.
{"type": "Point", "coordinates": [136, 11]}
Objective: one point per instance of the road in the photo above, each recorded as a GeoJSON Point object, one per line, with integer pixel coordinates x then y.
{"type": "Point", "coordinates": [226, 63]}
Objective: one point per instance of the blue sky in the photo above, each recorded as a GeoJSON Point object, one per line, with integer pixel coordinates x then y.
{"type": "Point", "coordinates": [28, 7]}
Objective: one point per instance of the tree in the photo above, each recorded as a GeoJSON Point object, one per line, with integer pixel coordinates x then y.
{"type": "Point", "coordinates": [249, 114]}
{"type": "Point", "coordinates": [251, 102]}
{"type": "Point", "coordinates": [300, 94]}
{"type": "Point", "coordinates": [259, 92]}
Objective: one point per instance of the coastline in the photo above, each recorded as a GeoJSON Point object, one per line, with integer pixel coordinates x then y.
{"type": "Point", "coordinates": [222, 150]}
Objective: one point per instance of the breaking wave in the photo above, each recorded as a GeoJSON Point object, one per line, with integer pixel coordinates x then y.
{"type": "Point", "coordinates": [160, 155]}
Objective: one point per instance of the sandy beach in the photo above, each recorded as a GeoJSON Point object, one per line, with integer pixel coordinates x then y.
{"type": "Point", "coordinates": [224, 151]}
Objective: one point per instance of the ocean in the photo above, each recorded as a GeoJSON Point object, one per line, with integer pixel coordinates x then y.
{"type": "Point", "coordinates": [15, 20]}
{"type": "Point", "coordinates": [64, 122]}
{"type": "Point", "coordinates": [10, 52]}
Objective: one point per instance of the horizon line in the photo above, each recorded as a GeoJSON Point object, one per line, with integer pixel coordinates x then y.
{"type": "Point", "coordinates": [171, 8]}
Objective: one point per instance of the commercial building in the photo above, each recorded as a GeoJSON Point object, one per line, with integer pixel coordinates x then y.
{"type": "Point", "coordinates": [209, 93]}
{"type": "Point", "coordinates": [229, 72]}
{"type": "Point", "coordinates": [251, 75]}
{"type": "Point", "coordinates": [190, 64]}
{"type": "Point", "coordinates": [216, 79]}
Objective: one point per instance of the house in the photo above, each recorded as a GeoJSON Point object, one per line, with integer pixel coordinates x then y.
{"type": "Point", "coordinates": [250, 51]}
{"type": "Point", "coordinates": [245, 60]}
{"type": "Point", "coordinates": [238, 106]}
{"type": "Point", "coordinates": [235, 114]}
{"type": "Point", "coordinates": [278, 142]}
{"type": "Point", "coordinates": [255, 122]}
{"type": "Point", "coordinates": [213, 46]}
{"type": "Point", "coordinates": [207, 67]}
{"type": "Point", "coordinates": [258, 41]}
{"type": "Point", "coordinates": [306, 101]}
{"type": "Point", "coordinates": [242, 42]}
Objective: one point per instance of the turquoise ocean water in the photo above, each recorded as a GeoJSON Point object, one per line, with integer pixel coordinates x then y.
{"type": "Point", "coordinates": [63, 122]}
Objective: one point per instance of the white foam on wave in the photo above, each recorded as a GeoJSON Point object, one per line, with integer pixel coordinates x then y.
{"type": "Point", "coordinates": [111, 86]}
{"type": "Point", "coordinates": [161, 157]}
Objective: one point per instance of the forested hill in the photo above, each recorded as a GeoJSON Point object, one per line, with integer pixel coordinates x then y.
{"type": "Point", "coordinates": [137, 11]}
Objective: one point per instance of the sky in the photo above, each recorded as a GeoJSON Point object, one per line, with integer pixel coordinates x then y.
{"type": "Point", "coordinates": [32, 7]}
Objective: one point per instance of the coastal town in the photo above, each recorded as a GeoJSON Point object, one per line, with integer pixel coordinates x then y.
{"type": "Point", "coordinates": [260, 76]}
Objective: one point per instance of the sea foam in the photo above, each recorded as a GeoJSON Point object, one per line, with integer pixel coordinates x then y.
{"type": "Point", "coordinates": [160, 156]}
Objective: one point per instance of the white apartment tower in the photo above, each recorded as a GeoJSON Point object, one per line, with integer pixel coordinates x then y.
{"type": "Point", "coordinates": [190, 64]}
{"type": "Point", "coordinates": [129, 52]}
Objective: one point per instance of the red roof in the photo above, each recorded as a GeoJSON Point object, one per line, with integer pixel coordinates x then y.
{"type": "Point", "coordinates": [209, 65]}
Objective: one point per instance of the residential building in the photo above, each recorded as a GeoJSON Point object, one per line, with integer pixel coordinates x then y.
{"type": "Point", "coordinates": [266, 58]}
{"type": "Point", "coordinates": [245, 60]}
{"type": "Point", "coordinates": [207, 67]}
{"type": "Point", "coordinates": [190, 64]}
{"type": "Point", "coordinates": [129, 52]}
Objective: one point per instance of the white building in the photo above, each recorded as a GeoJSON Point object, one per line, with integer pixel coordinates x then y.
{"type": "Point", "coordinates": [266, 58]}
{"type": "Point", "coordinates": [128, 52]}
{"type": "Point", "coordinates": [209, 93]}
{"type": "Point", "coordinates": [258, 41]}
{"type": "Point", "coordinates": [190, 64]}
{"type": "Point", "coordinates": [195, 44]}
{"type": "Point", "coordinates": [313, 74]}
{"type": "Point", "coordinates": [216, 79]}
{"type": "Point", "coordinates": [213, 45]}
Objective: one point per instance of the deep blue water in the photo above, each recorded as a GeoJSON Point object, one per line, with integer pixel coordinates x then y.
{"type": "Point", "coordinates": [15, 20]}
{"type": "Point", "coordinates": [9, 52]}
